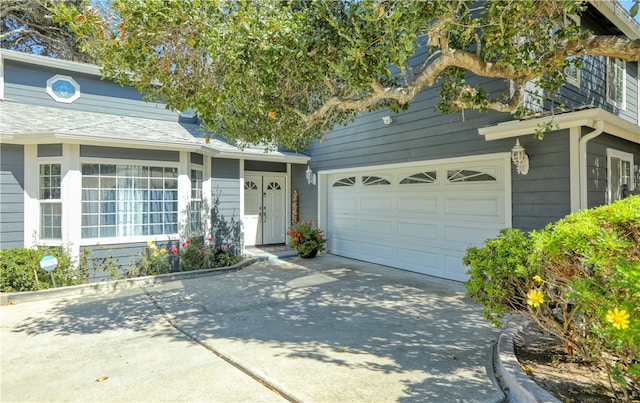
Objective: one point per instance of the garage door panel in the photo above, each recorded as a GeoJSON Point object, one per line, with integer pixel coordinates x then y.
{"type": "Point", "coordinates": [409, 257]}
{"type": "Point", "coordinates": [365, 250]}
{"type": "Point", "coordinates": [344, 202]}
{"type": "Point", "coordinates": [416, 232]}
{"type": "Point", "coordinates": [344, 223]}
{"type": "Point", "coordinates": [371, 226]}
{"type": "Point", "coordinates": [473, 206]}
{"type": "Point", "coordinates": [466, 236]}
{"type": "Point", "coordinates": [425, 204]}
{"type": "Point", "coordinates": [424, 224]}
{"type": "Point", "coordinates": [376, 203]}
{"type": "Point", "coordinates": [454, 268]}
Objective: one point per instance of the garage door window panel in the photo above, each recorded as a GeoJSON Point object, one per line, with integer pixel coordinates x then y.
{"type": "Point", "coordinates": [345, 182]}
{"type": "Point", "coordinates": [374, 181]}
{"type": "Point", "coordinates": [420, 178]}
{"type": "Point", "coordinates": [467, 175]}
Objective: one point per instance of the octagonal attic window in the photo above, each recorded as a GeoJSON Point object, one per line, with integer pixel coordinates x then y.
{"type": "Point", "coordinates": [63, 89]}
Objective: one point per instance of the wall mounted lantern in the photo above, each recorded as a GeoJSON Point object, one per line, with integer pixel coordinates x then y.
{"type": "Point", "coordinates": [311, 177]}
{"type": "Point", "coordinates": [520, 159]}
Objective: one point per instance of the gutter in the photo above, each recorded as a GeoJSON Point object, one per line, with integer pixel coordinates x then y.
{"type": "Point", "coordinates": [582, 149]}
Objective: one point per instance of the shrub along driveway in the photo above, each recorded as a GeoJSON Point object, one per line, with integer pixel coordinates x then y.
{"type": "Point", "coordinates": [324, 329]}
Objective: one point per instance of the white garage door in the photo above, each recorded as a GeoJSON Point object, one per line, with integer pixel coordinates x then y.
{"type": "Point", "coordinates": [421, 218]}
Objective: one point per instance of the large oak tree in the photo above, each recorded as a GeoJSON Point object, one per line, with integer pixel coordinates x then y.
{"type": "Point", "coordinates": [285, 72]}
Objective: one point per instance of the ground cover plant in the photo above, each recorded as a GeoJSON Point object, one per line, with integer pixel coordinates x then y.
{"type": "Point", "coordinates": [577, 279]}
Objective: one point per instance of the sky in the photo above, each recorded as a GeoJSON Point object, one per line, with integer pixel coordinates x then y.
{"type": "Point", "coordinates": [627, 5]}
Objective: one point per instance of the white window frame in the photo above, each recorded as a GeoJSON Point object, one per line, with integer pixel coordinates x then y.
{"type": "Point", "coordinates": [56, 97]}
{"type": "Point", "coordinates": [131, 238]}
{"type": "Point", "coordinates": [49, 201]}
{"type": "Point", "coordinates": [196, 200]}
{"type": "Point", "coordinates": [571, 78]}
{"type": "Point", "coordinates": [616, 73]}
{"type": "Point", "coordinates": [614, 189]}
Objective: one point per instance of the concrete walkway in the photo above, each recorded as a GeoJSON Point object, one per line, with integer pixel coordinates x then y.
{"type": "Point", "coordinates": [327, 329]}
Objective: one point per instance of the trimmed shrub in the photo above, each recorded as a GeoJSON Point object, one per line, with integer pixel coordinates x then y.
{"type": "Point", "coordinates": [20, 269]}
{"type": "Point", "coordinates": [578, 279]}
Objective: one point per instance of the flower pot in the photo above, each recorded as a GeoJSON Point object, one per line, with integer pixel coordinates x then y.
{"type": "Point", "coordinates": [309, 255]}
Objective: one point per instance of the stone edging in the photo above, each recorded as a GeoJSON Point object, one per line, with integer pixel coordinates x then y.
{"type": "Point", "coordinates": [521, 388]}
{"type": "Point", "coordinates": [92, 288]}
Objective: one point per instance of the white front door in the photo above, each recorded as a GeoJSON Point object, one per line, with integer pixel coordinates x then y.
{"type": "Point", "coordinates": [264, 208]}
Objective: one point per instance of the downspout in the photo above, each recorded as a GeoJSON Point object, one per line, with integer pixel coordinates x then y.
{"type": "Point", "coordinates": [582, 147]}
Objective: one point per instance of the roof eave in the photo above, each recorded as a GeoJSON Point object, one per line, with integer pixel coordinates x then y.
{"type": "Point", "coordinates": [56, 137]}
{"type": "Point", "coordinates": [613, 124]}
{"type": "Point", "coordinates": [614, 12]}
{"type": "Point", "coordinates": [273, 157]}
{"type": "Point", "coordinates": [50, 62]}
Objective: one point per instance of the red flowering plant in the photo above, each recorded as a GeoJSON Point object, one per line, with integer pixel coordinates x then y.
{"type": "Point", "coordinates": [199, 253]}
{"type": "Point", "coordinates": [306, 238]}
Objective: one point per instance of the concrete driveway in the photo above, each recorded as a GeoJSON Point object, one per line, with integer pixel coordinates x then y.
{"type": "Point", "coordinates": [327, 329]}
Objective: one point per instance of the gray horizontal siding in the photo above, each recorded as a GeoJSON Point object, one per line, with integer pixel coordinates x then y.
{"type": "Point", "coordinates": [129, 153]}
{"type": "Point", "coordinates": [49, 150]}
{"type": "Point", "coordinates": [26, 83]}
{"type": "Point", "coordinates": [225, 211]}
{"type": "Point", "coordinates": [125, 255]}
{"type": "Point", "coordinates": [543, 195]}
{"type": "Point", "coordinates": [307, 194]}
{"type": "Point", "coordinates": [11, 196]}
{"type": "Point", "coordinates": [420, 133]}
{"type": "Point", "coordinates": [592, 89]}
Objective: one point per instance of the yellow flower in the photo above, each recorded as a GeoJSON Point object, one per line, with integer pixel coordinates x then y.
{"type": "Point", "coordinates": [156, 252]}
{"type": "Point", "coordinates": [619, 318]}
{"type": "Point", "coordinates": [537, 279]}
{"type": "Point", "coordinates": [150, 244]}
{"type": "Point", "coordinates": [535, 298]}
{"type": "Point", "coordinates": [163, 251]}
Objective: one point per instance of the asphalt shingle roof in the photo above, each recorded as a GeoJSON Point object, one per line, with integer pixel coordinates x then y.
{"type": "Point", "coordinates": [22, 120]}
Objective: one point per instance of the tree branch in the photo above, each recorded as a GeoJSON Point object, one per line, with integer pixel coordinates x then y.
{"type": "Point", "coordinates": [605, 45]}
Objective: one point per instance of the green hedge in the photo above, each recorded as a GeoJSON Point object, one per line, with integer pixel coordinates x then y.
{"type": "Point", "coordinates": [20, 269]}
{"type": "Point", "coordinates": [578, 279]}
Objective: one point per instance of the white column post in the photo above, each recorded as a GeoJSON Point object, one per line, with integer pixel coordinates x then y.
{"type": "Point", "coordinates": [574, 168]}
{"type": "Point", "coordinates": [31, 204]}
{"type": "Point", "coordinates": [71, 189]}
{"type": "Point", "coordinates": [184, 194]}
{"type": "Point", "coordinates": [206, 195]}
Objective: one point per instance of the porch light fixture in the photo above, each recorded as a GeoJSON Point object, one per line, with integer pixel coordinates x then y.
{"type": "Point", "coordinates": [520, 159]}
{"type": "Point", "coordinates": [311, 177]}
{"type": "Point", "coordinates": [387, 120]}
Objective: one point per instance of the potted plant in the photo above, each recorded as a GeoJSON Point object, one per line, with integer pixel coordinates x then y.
{"type": "Point", "coordinates": [306, 239]}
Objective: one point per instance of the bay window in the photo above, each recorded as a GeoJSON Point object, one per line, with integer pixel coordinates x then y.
{"type": "Point", "coordinates": [128, 200]}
